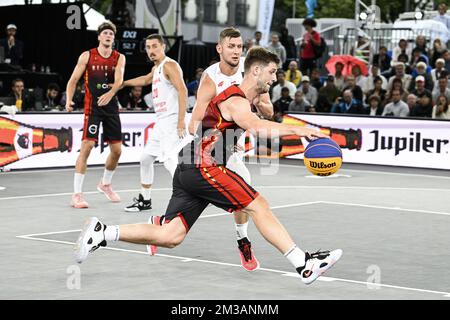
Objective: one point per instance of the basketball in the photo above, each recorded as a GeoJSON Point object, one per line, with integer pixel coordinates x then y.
{"type": "Point", "coordinates": [323, 157]}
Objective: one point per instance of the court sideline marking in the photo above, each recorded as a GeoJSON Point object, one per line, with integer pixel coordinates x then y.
{"type": "Point", "coordinates": [247, 163]}
{"type": "Point", "coordinates": [369, 285]}
{"type": "Point", "coordinates": [257, 187]}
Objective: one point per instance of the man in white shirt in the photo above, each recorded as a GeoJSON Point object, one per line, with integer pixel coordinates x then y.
{"type": "Point", "coordinates": [442, 15]}
{"type": "Point", "coordinates": [282, 82]}
{"type": "Point", "coordinates": [397, 108]}
{"type": "Point", "coordinates": [309, 92]}
{"type": "Point", "coordinates": [400, 74]}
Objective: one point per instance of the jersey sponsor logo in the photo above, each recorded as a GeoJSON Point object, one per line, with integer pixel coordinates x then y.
{"type": "Point", "coordinates": [220, 83]}
{"type": "Point", "coordinates": [102, 86]}
{"type": "Point", "coordinates": [92, 129]}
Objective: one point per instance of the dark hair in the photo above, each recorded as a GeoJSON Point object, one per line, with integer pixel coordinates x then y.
{"type": "Point", "coordinates": [261, 56]}
{"type": "Point", "coordinates": [107, 25]}
{"type": "Point", "coordinates": [53, 86]}
{"type": "Point", "coordinates": [229, 32]}
{"type": "Point", "coordinates": [402, 55]}
{"type": "Point", "coordinates": [155, 36]}
{"type": "Point", "coordinates": [310, 22]}
{"type": "Point", "coordinates": [285, 89]}
{"type": "Point", "coordinates": [377, 78]}
{"type": "Point", "coordinates": [258, 32]}
{"type": "Point", "coordinates": [446, 104]}
{"type": "Point", "coordinates": [13, 83]}
{"type": "Point", "coordinates": [280, 71]}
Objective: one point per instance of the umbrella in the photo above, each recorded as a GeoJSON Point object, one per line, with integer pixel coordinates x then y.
{"type": "Point", "coordinates": [348, 62]}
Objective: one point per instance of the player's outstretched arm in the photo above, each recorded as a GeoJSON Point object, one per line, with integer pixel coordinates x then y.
{"type": "Point", "coordinates": [239, 110]}
{"type": "Point", "coordinates": [74, 78]}
{"type": "Point", "coordinates": [175, 76]}
{"type": "Point", "coordinates": [205, 93]}
{"type": "Point", "coordinates": [104, 99]}
{"type": "Point", "coordinates": [141, 81]}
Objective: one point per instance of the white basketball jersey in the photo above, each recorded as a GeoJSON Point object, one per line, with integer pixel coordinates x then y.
{"type": "Point", "coordinates": [164, 94]}
{"type": "Point", "coordinates": [223, 81]}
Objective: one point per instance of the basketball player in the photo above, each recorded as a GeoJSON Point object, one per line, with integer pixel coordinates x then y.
{"type": "Point", "coordinates": [169, 94]}
{"type": "Point", "coordinates": [99, 66]}
{"type": "Point", "coordinates": [215, 79]}
{"type": "Point", "coordinates": [205, 180]}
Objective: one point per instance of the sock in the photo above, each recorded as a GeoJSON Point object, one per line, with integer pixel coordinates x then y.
{"type": "Point", "coordinates": [78, 182]}
{"type": "Point", "coordinates": [107, 176]}
{"type": "Point", "coordinates": [295, 256]}
{"type": "Point", "coordinates": [146, 193]}
{"type": "Point", "coordinates": [241, 230]}
{"type": "Point", "coordinates": [112, 233]}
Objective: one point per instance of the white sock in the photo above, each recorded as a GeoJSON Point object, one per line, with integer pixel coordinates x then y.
{"type": "Point", "coordinates": [107, 176]}
{"type": "Point", "coordinates": [241, 230]}
{"type": "Point", "coordinates": [78, 182]}
{"type": "Point", "coordinates": [295, 256]}
{"type": "Point", "coordinates": [112, 233]}
{"type": "Point", "coordinates": [146, 193]}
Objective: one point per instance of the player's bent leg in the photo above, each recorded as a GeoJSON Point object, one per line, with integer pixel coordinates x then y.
{"type": "Point", "coordinates": [168, 235]}
{"type": "Point", "coordinates": [96, 234]}
{"type": "Point", "coordinates": [248, 260]}
{"type": "Point", "coordinates": [309, 265]}
{"type": "Point", "coordinates": [77, 200]}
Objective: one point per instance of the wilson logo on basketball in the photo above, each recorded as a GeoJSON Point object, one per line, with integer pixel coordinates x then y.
{"type": "Point", "coordinates": [321, 165]}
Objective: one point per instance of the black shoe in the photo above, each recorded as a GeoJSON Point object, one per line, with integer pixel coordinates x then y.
{"type": "Point", "coordinates": [139, 205]}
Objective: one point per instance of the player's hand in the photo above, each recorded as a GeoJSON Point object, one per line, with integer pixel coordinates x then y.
{"type": "Point", "coordinates": [238, 148]}
{"type": "Point", "coordinates": [181, 129]}
{"type": "Point", "coordinates": [310, 133]}
{"type": "Point", "coordinates": [104, 99]}
{"type": "Point", "coordinates": [69, 106]}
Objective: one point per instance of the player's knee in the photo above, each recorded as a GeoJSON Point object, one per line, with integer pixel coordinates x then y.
{"type": "Point", "coordinates": [175, 241]}
{"type": "Point", "coordinates": [260, 204]}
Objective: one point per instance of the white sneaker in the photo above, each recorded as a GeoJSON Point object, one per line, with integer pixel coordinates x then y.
{"type": "Point", "coordinates": [317, 263]}
{"type": "Point", "coordinates": [90, 239]}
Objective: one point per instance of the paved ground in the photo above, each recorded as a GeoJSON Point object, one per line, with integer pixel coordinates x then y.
{"type": "Point", "coordinates": [392, 223]}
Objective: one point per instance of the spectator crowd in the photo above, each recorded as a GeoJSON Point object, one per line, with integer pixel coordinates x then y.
{"type": "Point", "coordinates": [412, 80]}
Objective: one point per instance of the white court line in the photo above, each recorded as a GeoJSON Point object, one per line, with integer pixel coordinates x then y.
{"type": "Point", "coordinates": [256, 187]}
{"type": "Point", "coordinates": [273, 208]}
{"type": "Point", "coordinates": [386, 208]}
{"type": "Point", "coordinates": [70, 193]}
{"type": "Point", "coordinates": [352, 187]}
{"type": "Point", "coordinates": [368, 285]}
{"type": "Point", "coordinates": [369, 171]}
{"type": "Point", "coordinates": [2, 188]}
{"type": "Point", "coordinates": [257, 164]}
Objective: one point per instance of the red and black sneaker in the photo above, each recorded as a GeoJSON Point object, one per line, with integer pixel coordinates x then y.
{"type": "Point", "coordinates": [159, 220]}
{"type": "Point", "coordinates": [248, 259]}
{"type": "Point", "coordinates": [317, 263]}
